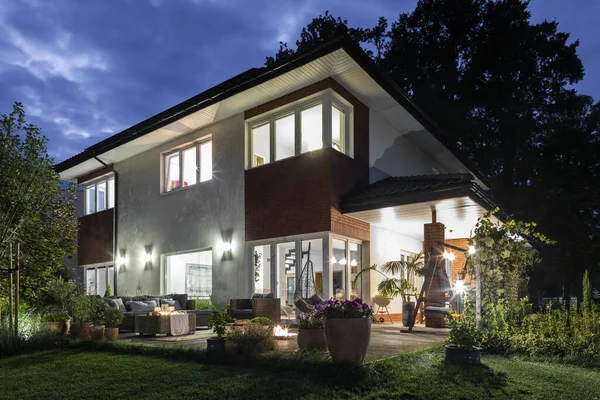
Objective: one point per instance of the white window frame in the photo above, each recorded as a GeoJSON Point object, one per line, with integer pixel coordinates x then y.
{"type": "Point", "coordinates": [95, 268]}
{"type": "Point", "coordinates": [180, 150]}
{"type": "Point", "coordinates": [328, 98]}
{"type": "Point", "coordinates": [107, 193]}
{"type": "Point", "coordinates": [348, 267]}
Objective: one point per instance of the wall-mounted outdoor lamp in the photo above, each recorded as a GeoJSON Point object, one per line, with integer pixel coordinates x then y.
{"type": "Point", "coordinates": [226, 245]}
{"type": "Point", "coordinates": [147, 257]}
{"type": "Point", "coordinates": [121, 260]}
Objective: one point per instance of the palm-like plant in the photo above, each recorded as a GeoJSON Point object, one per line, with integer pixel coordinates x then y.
{"type": "Point", "coordinates": [393, 287]}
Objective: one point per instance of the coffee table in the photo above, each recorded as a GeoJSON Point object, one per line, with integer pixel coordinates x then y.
{"type": "Point", "coordinates": [160, 324]}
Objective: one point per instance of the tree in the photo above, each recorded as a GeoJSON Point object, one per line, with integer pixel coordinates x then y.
{"type": "Point", "coordinates": [34, 211]}
{"type": "Point", "coordinates": [500, 87]}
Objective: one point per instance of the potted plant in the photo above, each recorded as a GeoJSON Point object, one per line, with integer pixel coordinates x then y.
{"type": "Point", "coordinates": [311, 332]}
{"type": "Point", "coordinates": [58, 320]}
{"type": "Point", "coordinates": [262, 321]}
{"type": "Point", "coordinates": [463, 341]}
{"type": "Point", "coordinates": [391, 286]}
{"type": "Point", "coordinates": [218, 322]}
{"type": "Point", "coordinates": [82, 309]}
{"type": "Point", "coordinates": [99, 317]}
{"type": "Point", "coordinates": [347, 329]}
{"type": "Point", "coordinates": [113, 319]}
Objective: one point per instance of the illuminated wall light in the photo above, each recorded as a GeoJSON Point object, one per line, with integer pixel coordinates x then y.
{"type": "Point", "coordinates": [147, 257]}
{"type": "Point", "coordinates": [471, 250]}
{"type": "Point", "coordinates": [226, 246]}
{"type": "Point", "coordinates": [121, 260]}
{"type": "Point", "coordinates": [459, 287]}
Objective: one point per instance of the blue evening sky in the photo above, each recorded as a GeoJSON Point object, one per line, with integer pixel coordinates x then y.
{"type": "Point", "coordinates": [86, 69]}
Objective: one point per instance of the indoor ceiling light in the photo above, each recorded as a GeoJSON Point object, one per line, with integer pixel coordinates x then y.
{"type": "Point", "coordinates": [343, 261]}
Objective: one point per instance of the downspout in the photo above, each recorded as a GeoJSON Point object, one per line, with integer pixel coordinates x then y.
{"type": "Point", "coordinates": [115, 208]}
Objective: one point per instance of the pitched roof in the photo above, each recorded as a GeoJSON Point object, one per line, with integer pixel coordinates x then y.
{"type": "Point", "coordinates": [398, 190]}
{"type": "Point", "coordinates": [256, 76]}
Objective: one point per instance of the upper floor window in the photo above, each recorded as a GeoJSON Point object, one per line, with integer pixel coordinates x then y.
{"type": "Point", "coordinates": [188, 165]}
{"type": "Point", "coordinates": [99, 194]}
{"type": "Point", "coordinates": [322, 121]}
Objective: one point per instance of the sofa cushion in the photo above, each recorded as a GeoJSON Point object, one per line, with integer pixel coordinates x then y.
{"type": "Point", "coordinates": [111, 303]}
{"type": "Point", "coordinates": [138, 307]}
{"type": "Point", "coordinates": [315, 299]}
{"type": "Point", "coordinates": [181, 299]}
{"type": "Point", "coordinates": [257, 296]}
{"type": "Point", "coordinates": [126, 299]}
{"type": "Point", "coordinates": [122, 307]}
{"type": "Point", "coordinates": [169, 302]}
{"type": "Point", "coordinates": [269, 296]}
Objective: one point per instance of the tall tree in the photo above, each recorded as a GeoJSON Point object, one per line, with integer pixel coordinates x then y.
{"type": "Point", "coordinates": [34, 210]}
{"type": "Point", "coordinates": [501, 87]}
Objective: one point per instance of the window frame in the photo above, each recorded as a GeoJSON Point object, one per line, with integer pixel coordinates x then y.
{"type": "Point", "coordinates": [328, 99]}
{"type": "Point", "coordinates": [180, 150]}
{"type": "Point", "coordinates": [96, 268]}
{"type": "Point", "coordinates": [107, 193]}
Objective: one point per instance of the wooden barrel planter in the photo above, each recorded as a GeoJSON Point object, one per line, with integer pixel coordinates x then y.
{"type": "Point", "coordinates": [460, 356]}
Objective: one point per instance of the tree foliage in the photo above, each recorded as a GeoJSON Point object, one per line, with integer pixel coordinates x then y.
{"type": "Point", "coordinates": [34, 210]}
{"type": "Point", "coordinates": [501, 88]}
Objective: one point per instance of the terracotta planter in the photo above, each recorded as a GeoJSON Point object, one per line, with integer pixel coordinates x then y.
{"type": "Point", "coordinates": [55, 326]}
{"type": "Point", "coordinates": [348, 339]}
{"type": "Point", "coordinates": [97, 332]}
{"type": "Point", "coordinates": [111, 334]}
{"type": "Point", "coordinates": [81, 330]}
{"type": "Point", "coordinates": [459, 356]}
{"type": "Point", "coordinates": [311, 339]}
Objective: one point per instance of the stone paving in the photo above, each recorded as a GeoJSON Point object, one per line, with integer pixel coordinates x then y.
{"type": "Point", "coordinates": [386, 339]}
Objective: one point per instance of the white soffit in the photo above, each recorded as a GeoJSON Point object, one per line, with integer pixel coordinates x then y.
{"type": "Point", "coordinates": [337, 64]}
{"type": "Point", "coordinates": [459, 215]}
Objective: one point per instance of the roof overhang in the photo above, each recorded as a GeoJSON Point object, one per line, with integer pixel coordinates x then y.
{"type": "Point", "coordinates": [341, 59]}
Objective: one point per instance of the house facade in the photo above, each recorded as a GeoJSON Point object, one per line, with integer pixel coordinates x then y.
{"type": "Point", "coordinates": [298, 173]}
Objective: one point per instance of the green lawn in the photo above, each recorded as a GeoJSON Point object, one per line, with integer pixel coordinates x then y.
{"type": "Point", "coordinates": [119, 373]}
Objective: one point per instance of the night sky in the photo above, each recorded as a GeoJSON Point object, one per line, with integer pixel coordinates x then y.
{"type": "Point", "coordinates": [86, 69]}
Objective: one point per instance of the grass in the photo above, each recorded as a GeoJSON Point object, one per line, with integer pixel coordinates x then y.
{"type": "Point", "coordinates": [123, 372]}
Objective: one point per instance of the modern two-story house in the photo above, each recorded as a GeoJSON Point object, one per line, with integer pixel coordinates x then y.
{"type": "Point", "coordinates": [317, 158]}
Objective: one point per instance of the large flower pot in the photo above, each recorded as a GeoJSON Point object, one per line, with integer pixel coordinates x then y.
{"type": "Point", "coordinates": [348, 339]}
{"type": "Point", "coordinates": [311, 339]}
{"type": "Point", "coordinates": [97, 332]}
{"type": "Point", "coordinates": [55, 326]}
{"type": "Point", "coordinates": [459, 356]}
{"type": "Point", "coordinates": [408, 308]}
{"type": "Point", "coordinates": [81, 330]}
{"type": "Point", "coordinates": [111, 334]}
{"type": "Point", "coordinates": [215, 345]}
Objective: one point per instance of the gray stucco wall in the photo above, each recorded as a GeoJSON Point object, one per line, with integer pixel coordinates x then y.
{"type": "Point", "coordinates": [191, 218]}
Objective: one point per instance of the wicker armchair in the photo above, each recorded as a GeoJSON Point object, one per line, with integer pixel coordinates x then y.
{"type": "Point", "coordinates": [250, 308]}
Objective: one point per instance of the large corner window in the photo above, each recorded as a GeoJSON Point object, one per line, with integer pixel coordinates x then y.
{"type": "Point", "coordinates": [322, 121]}
{"type": "Point", "coordinates": [189, 273]}
{"type": "Point", "coordinates": [188, 166]}
{"type": "Point", "coordinates": [99, 279]}
{"type": "Point", "coordinates": [99, 194]}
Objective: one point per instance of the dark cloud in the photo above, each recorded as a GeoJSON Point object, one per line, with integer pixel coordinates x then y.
{"type": "Point", "coordinates": [88, 69]}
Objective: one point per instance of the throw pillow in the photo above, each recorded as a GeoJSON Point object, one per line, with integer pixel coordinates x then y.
{"type": "Point", "coordinates": [269, 296]}
{"type": "Point", "coordinates": [315, 299]}
{"type": "Point", "coordinates": [181, 299]}
{"type": "Point", "coordinates": [111, 303]}
{"type": "Point", "coordinates": [120, 304]}
{"type": "Point", "coordinates": [169, 302]}
{"type": "Point", "coordinates": [257, 296]}
{"type": "Point", "coordinates": [142, 307]}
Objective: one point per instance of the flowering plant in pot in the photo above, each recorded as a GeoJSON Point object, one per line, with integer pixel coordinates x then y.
{"type": "Point", "coordinates": [464, 340]}
{"type": "Point", "coordinates": [58, 320]}
{"type": "Point", "coordinates": [113, 319]}
{"type": "Point", "coordinates": [311, 333]}
{"type": "Point", "coordinates": [347, 329]}
{"type": "Point", "coordinates": [218, 322]}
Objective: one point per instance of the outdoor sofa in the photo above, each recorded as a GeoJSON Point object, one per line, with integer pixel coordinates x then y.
{"type": "Point", "coordinates": [257, 306]}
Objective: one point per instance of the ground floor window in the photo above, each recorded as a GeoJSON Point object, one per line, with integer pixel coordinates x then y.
{"type": "Point", "coordinates": [261, 259]}
{"type": "Point", "coordinates": [98, 279]}
{"type": "Point", "coordinates": [346, 263]}
{"type": "Point", "coordinates": [189, 273]}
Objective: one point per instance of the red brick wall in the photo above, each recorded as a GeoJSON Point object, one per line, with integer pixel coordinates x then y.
{"type": "Point", "coordinates": [459, 257]}
{"type": "Point", "coordinates": [95, 240]}
{"type": "Point", "coordinates": [301, 194]}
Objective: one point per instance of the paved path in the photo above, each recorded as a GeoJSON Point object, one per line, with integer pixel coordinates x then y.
{"type": "Point", "coordinates": [386, 339]}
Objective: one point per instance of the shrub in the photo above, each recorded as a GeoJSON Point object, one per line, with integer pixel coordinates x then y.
{"type": "Point", "coordinates": [34, 334]}
{"type": "Point", "coordinates": [463, 333]}
{"type": "Point", "coordinates": [56, 315]}
{"type": "Point", "coordinates": [253, 339]}
{"type": "Point", "coordinates": [204, 304]}
{"type": "Point", "coordinates": [311, 320]}
{"type": "Point", "coordinates": [218, 321]}
{"type": "Point", "coordinates": [113, 317]}
{"type": "Point", "coordinates": [264, 321]}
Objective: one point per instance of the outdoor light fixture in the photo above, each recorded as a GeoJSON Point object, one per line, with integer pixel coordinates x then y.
{"type": "Point", "coordinates": [147, 256]}
{"type": "Point", "coordinates": [448, 255]}
{"type": "Point", "coordinates": [121, 260]}
{"type": "Point", "coordinates": [459, 287]}
{"type": "Point", "coordinates": [343, 261]}
{"type": "Point", "coordinates": [226, 246]}
{"type": "Point", "coordinates": [471, 250]}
